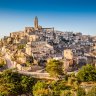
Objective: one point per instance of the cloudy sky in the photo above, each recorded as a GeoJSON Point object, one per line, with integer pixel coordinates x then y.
{"type": "Point", "coordinates": [64, 15]}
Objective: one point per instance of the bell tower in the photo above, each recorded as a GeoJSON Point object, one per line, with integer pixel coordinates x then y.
{"type": "Point", "coordinates": [36, 22]}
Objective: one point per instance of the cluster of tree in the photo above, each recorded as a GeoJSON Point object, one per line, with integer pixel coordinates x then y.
{"type": "Point", "coordinates": [60, 88]}
{"type": "Point", "coordinates": [54, 88]}
{"type": "Point", "coordinates": [87, 73]}
{"type": "Point", "coordinates": [13, 84]}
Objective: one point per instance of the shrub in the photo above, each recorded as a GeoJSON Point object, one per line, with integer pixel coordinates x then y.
{"type": "Point", "coordinates": [87, 73]}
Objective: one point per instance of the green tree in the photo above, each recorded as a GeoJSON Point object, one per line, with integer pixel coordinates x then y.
{"type": "Point", "coordinates": [40, 89]}
{"type": "Point", "coordinates": [81, 92]}
{"type": "Point", "coordinates": [27, 83]}
{"type": "Point", "coordinates": [10, 81]}
{"type": "Point", "coordinates": [87, 73]}
{"type": "Point", "coordinates": [54, 68]}
{"type": "Point", "coordinates": [57, 87]}
{"type": "Point", "coordinates": [10, 76]}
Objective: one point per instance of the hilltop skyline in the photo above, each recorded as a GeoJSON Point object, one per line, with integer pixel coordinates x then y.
{"type": "Point", "coordinates": [63, 15]}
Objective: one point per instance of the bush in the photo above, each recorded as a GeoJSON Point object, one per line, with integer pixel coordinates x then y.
{"type": "Point", "coordinates": [87, 73]}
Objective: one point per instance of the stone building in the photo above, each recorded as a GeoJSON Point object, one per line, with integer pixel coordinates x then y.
{"type": "Point", "coordinates": [68, 60]}
{"type": "Point", "coordinates": [17, 34]}
{"type": "Point", "coordinates": [28, 49]}
{"type": "Point", "coordinates": [68, 54]}
{"type": "Point", "coordinates": [33, 38]}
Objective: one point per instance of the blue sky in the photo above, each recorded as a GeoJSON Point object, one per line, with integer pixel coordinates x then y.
{"type": "Point", "coordinates": [64, 15]}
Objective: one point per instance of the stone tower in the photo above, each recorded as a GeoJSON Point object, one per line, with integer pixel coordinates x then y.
{"type": "Point", "coordinates": [36, 23]}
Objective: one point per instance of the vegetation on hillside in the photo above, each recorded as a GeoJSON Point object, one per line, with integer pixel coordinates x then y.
{"type": "Point", "coordinates": [12, 84]}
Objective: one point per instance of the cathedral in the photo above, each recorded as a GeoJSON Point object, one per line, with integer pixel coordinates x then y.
{"type": "Point", "coordinates": [35, 32]}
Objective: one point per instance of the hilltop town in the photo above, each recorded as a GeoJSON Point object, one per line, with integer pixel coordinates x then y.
{"type": "Point", "coordinates": [42, 61]}
{"type": "Point", "coordinates": [36, 45]}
